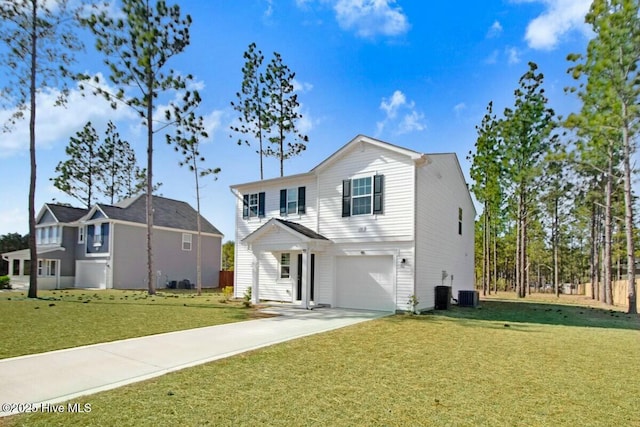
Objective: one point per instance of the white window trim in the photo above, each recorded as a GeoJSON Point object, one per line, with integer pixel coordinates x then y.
{"type": "Point", "coordinates": [253, 214]}
{"type": "Point", "coordinates": [291, 191]}
{"type": "Point", "coordinates": [370, 195]}
{"type": "Point", "coordinates": [281, 264]}
{"type": "Point", "coordinates": [187, 239]}
{"type": "Point", "coordinates": [82, 231]}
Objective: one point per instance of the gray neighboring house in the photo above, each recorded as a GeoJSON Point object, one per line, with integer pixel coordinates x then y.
{"type": "Point", "coordinates": [105, 246]}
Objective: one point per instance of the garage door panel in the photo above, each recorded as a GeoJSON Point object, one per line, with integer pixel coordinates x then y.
{"type": "Point", "coordinates": [365, 282]}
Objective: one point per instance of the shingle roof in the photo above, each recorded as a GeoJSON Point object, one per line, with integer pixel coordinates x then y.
{"type": "Point", "coordinates": [166, 213]}
{"type": "Point", "coordinates": [66, 213]}
{"type": "Point", "coordinates": [301, 229]}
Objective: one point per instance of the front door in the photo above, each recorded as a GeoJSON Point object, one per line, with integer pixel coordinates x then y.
{"type": "Point", "coordinates": [313, 270]}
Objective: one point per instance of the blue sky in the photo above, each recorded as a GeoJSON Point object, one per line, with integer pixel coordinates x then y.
{"type": "Point", "coordinates": [414, 73]}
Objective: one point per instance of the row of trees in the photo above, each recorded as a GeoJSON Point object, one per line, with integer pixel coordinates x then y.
{"type": "Point", "coordinates": [97, 167]}
{"type": "Point", "coordinates": [138, 45]}
{"type": "Point", "coordinates": [556, 192]}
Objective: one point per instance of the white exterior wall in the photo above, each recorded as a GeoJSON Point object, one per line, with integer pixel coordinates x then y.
{"type": "Point", "coordinates": [396, 223]}
{"type": "Point", "coordinates": [441, 191]}
{"type": "Point", "coordinates": [243, 268]}
{"type": "Point", "coordinates": [428, 242]}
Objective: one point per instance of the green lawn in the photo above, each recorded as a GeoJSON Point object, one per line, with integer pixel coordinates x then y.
{"type": "Point", "coordinates": [508, 363]}
{"type": "Point", "coordinates": [69, 318]}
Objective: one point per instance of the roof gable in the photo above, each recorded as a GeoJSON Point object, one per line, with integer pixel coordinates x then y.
{"type": "Point", "coordinates": [60, 213]}
{"type": "Point", "coordinates": [362, 139]}
{"type": "Point", "coordinates": [167, 213]}
{"type": "Point", "coordinates": [299, 231]}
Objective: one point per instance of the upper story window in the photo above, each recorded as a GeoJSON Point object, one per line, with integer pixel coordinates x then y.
{"type": "Point", "coordinates": [186, 241]}
{"type": "Point", "coordinates": [292, 201]}
{"type": "Point", "coordinates": [460, 221]}
{"type": "Point", "coordinates": [253, 205]}
{"type": "Point", "coordinates": [49, 235]}
{"type": "Point", "coordinates": [362, 196]}
{"type": "Point", "coordinates": [97, 239]}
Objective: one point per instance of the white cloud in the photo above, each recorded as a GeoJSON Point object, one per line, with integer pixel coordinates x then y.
{"type": "Point", "coordinates": [495, 30]}
{"type": "Point", "coordinates": [559, 18]}
{"type": "Point", "coordinates": [412, 122]}
{"type": "Point", "coordinates": [400, 115]}
{"type": "Point", "coordinates": [397, 100]}
{"type": "Point", "coordinates": [301, 87]}
{"type": "Point", "coordinates": [458, 108]}
{"type": "Point", "coordinates": [513, 55]}
{"type": "Point", "coordinates": [55, 124]}
{"type": "Point", "coordinates": [371, 17]}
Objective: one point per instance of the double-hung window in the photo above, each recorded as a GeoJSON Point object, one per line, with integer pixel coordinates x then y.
{"type": "Point", "coordinates": [292, 201]}
{"type": "Point", "coordinates": [186, 241]}
{"type": "Point", "coordinates": [285, 265]}
{"type": "Point", "coordinates": [253, 205]}
{"type": "Point", "coordinates": [362, 196]}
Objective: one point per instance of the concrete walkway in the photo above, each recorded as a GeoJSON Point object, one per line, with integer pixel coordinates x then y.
{"type": "Point", "coordinates": [61, 375]}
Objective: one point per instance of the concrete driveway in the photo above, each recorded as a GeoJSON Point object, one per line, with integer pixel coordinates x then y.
{"type": "Point", "coordinates": [28, 382]}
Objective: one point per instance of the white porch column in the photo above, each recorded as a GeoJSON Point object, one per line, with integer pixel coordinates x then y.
{"type": "Point", "coordinates": [255, 293]}
{"type": "Point", "coordinates": [306, 278]}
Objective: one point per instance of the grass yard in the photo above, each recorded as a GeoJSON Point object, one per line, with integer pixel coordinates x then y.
{"type": "Point", "coordinates": [508, 363]}
{"type": "Point", "coordinates": [70, 318]}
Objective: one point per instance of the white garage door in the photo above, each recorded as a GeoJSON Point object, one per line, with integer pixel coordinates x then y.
{"type": "Point", "coordinates": [91, 274]}
{"type": "Point", "coordinates": [365, 282]}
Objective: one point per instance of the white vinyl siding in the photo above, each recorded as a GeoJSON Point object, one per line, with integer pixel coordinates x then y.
{"type": "Point", "coordinates": [439, 222]}
{"type": "Point", "coordinates": [397, 221]}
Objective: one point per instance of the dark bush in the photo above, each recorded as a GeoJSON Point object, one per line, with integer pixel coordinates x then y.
{"type": "Point", "coordinates": [5, 282]}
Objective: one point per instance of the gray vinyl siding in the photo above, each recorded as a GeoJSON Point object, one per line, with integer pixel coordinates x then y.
{"type": "Point", "coordinates": [68, 256]}
{"type": "Point", "coordinates": [47, 218]}
{"type": "Point", "coordinates": [130, 257]}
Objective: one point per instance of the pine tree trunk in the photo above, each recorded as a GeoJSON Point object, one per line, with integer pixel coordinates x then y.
{"type": "Point", "coordinates": [606, 261]}
{"type": "Point", "coordinates": [149, 199]}
{"type": "Point", "coordinates": [33, 250]}
{"type": "Point", "coordinates": [628, 217]}
{"type": "Point", "coordinates": [592, 255]}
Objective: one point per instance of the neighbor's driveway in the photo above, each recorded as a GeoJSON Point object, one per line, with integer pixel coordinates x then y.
{"type": "Point", "coordinates": [68, 374]}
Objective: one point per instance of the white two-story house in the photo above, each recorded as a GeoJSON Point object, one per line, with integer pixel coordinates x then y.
{"type": "Point", "coordinates": [368, 228]}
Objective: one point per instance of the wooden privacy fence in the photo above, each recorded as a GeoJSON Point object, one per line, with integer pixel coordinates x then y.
{"type": "Point", "coordinates": [619, 290]}
{"type": "Point", "coordinates": [226, 279]}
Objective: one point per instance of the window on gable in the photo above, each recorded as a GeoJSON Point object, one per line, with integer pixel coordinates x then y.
{"type": "Point", "coordinates": [97, 235]}
{"type": "Point", "coordinates": [253, 205]}
{"type": "Point", "coordinates": [362, 196]}
{"type": "Point", "coordinates": [292, 201]}
{"type": "Point", "coordinates": [285, 265]}
{"type": "Point", "coordinates": [460, 221]}
{"type": "Point", "coordinates": [186, 241]}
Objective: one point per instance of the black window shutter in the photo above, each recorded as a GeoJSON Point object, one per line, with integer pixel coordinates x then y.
{"type": "Point", "coordinates": [378, 191]}
{"type": "Point", "coordinates": [346, 197]}
{"type": "Point", "coordinates": [283, 202]}
{"type": "Point", "coordinates": [245, 206]}
{"type": "Point", "coordinates": [261, 204]}
{"type": "Point", "coordinates": [301, 200]}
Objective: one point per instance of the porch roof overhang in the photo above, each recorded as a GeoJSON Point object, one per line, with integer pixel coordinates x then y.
{"type": "Point", "coordinates": [25, 253]}
{"type": "Point", "coordinates": [300, 233]}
